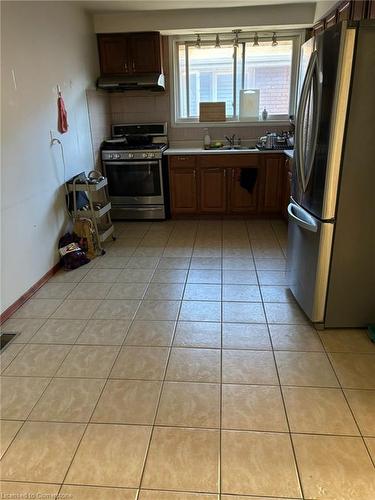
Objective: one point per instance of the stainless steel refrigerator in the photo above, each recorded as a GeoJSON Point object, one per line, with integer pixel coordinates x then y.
{"type": "Point", "coordinates": [331, 230]}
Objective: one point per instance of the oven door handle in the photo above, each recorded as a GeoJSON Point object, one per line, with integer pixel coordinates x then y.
{"type": "Point", "coordinates": [148, 209]}
{"type": "Point", "coordinates": [131, 162]}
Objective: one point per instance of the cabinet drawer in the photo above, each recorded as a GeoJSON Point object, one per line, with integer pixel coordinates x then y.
{"type": "Point", "coordinates": [233, 160]}
{"type": "Point", "coordinates": [183, 161]}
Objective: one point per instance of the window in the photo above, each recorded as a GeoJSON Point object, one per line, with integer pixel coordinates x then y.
{"type": "Point", "coordinates": [210, 74]}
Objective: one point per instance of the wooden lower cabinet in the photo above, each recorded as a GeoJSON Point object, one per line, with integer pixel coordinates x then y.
{"type": "Point", "coordinates": [241, 200]}
{"type": "Point", "coordinates": [213, 190]}
{"type": "Point", "coordinates": [287, 174]}
{"type": "Point", "coordinates": [273, 183]}
{"type": "Point", "coordinates": [183, 186]}
{"type": "Point", "coordinates": [221, 184]}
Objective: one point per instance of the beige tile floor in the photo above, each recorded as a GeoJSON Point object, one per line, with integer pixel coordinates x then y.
{"type": "Point", "coordinates": [179, 367]}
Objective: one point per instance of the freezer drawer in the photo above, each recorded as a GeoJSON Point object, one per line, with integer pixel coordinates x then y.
{"type": "Point", "coordinates": [309, 252]}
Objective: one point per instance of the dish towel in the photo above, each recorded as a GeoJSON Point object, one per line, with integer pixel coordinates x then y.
{"type": "Point", "coordinates": [248, 178]}
{"type": "Point", "coordinates": [62, 119]}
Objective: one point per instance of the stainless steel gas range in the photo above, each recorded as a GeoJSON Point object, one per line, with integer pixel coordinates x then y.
{"type": "Point", "coordinates": [132, 162]}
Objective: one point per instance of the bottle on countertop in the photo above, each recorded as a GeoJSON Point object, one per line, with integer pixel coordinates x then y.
{"type": "Point", "coordinates": [264, 114]}
{"type": "Point", "coordinates": [206, 139]}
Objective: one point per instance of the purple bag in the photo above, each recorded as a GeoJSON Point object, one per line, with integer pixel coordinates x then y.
{"type": "Point", "coordinates": [72, 255]}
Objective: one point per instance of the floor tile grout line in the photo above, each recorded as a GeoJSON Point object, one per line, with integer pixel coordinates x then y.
{"type": "Point", "coordinates": [245, 384]}
{"type": "Point", "coordinates": [40, 397]}
{"type": "Point", "coordinates": [185, 381]}
{"type": "Point", "coordinates": [285, 408]}
{"type": "Point", "coordinates": [97, 401]}
{"type": "Point", "coordinates": [208, 428]}
{"type": "Point", "coordinates": [322, 351]}
{"type": "Point", "coordinates": [349, 406]}
{"type": "Point", "coordinates": [220, 464]}
{"type": "Point", "coordinates": [126, 488]}
{"type": "Point", "coordinates": [160, 392]}
{"type": "Point", "coordinates": [283, 400]}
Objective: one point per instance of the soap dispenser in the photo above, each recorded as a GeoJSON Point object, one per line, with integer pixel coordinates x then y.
{"type": "Point", "coordinates": [206, 139]}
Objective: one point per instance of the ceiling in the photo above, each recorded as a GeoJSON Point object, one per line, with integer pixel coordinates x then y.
{"type": "Point", "coordinates": [148, 5]}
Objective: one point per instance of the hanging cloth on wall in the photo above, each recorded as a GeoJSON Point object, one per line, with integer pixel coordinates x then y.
{"type": "Point", "coordinates": [248, 178]}
{"type": "Point", "coordinates": [62, 116]}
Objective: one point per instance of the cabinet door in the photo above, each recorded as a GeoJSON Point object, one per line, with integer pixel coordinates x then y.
{"type": "Point", "coordinates": [183, 188]}
{"type": "Point", "coordinates": [319, 27]}
{"type": "Point", "coordinates": [145, 50]}
{"type": "Point", "coordinates": [343, 11]}
{"type": "Point", "coordinates": [241, 200]}
{"type": "Point", "coordinates": [331, 20]}
{"type": "Point", "coordinates": [287, 179]}
{"type": "Point", "coordinates": [213, 190]}
{"type": "Point", "coordinates": [272, 184]}
{"type": "Point", "coordinates": [113, 54]}
{"type": "Point", "coordinates": [371, 9]}
{"type": "Point", "coordinates": [358, 10]}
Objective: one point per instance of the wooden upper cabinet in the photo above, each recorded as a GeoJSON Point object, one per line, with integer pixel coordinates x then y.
{"type": "Point", "coordinates": [358, 10]}
{"type": "Point", "coordinates": [183, 189]}
{"type": "Point", "coordinates": [213, 190]}
{"type": "Point", "coordinates": [346, 10]}
{"type": "Point", "coordinates": [343, 11]}
{"type": "Point", "coordinates": [244, 199]}
{"type": "Point", "coordinates": [371, 9]}
{"type": "Point", "coordinates": [318, 28]}
{"type": "Point", "coordinates": [331, 20]}
{"type": "Point", "coordinates": [145, 50]}
{"type": "Point", "coordinates": [273, 182]}
{"type": "Point", "coordinates": [130, 53]}
{"type": "Point", "coordinates": [113, 54]}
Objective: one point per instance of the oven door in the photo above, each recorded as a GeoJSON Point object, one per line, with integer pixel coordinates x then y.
{"type": "Point", "coordinates": [134, 182]}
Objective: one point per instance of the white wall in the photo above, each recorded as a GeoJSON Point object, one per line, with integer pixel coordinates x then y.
{"type": "Point", "coordinates": [175, 21]}
{"type": "Point", "coordinates": [45, 44]}
{"type": "Point", "coordinates": [323, 7]}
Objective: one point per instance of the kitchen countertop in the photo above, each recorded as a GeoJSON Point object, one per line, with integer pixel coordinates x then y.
{"type": "Point", "coordinates": [202, 151]}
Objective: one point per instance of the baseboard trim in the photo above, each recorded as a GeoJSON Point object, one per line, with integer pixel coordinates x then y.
{"type": "Point", "coordinates": [30, 292]}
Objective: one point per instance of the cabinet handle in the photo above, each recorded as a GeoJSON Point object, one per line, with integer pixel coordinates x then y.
{"type": "Point", "coordinates": [126, 66]}
{"type": "Point", "coordinates": [133, 65]}
{"type": "Point", "coordinates": [232, 173]}
{"type": "Point", "coordinates": [194, 173]}
{"type": "Point", "coordinates": [225, 172]}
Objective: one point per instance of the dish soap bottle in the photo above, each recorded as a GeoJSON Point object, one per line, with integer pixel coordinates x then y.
{"type": "Point", "coordinates": [206, 139]}
{"type": "Point", "coordinates": [264, 114]}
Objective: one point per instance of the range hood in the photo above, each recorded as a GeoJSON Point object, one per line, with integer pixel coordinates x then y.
{"type": "Point", "coordinates": [149, 81]}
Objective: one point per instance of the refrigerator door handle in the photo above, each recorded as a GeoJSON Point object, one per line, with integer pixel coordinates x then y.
{"type": "Point", "coordinates": [299, 146]}
{"type": "Point", "coordinates": [315, 82]}
{"type": "Point", "coordinates": [299, 216]}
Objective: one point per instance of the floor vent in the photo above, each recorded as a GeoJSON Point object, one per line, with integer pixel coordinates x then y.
{"type": "Point", "coordinates": [6, 338]}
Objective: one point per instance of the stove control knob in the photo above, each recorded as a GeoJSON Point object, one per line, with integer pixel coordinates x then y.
{"type": "Point", "coordinates": [144, 155]}
{"type": "Point", "coordinates": [151, 155]}
{"type": "Point", "coordinates": [130, 155]}
{"type": "Point", "coordinates": [114, 156]}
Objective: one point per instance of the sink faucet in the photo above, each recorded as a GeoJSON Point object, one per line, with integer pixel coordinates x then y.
{"type": "Point", "coordinates": [231, 140]}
